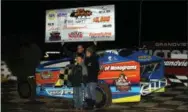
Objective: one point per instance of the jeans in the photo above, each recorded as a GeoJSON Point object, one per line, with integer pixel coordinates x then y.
{"type": "Point", "coordinates": [78, 97]}
{"type": "Point", "coordinates": [91, 90]}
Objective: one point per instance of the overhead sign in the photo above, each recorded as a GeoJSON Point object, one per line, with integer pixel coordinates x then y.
{"type": "Point", "coordinates": [80, 24]}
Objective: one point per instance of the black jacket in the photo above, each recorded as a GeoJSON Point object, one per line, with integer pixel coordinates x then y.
{"type": "Point", "coordinates": [92, 65]}
{"type": "Point", "coordinates": [78, 76]}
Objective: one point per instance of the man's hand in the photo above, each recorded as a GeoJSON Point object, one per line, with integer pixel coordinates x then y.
{"type": "Point", "coordinates": [95, 42]}
{"type": "Point", "coordinates": [62, 43]}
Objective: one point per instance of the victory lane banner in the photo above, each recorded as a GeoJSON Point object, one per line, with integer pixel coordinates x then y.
{"type": "Point", "coordinates": [80, 24]}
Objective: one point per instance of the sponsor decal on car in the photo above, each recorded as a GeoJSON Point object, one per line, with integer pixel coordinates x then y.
{"type": "Point", "coordinates": [100, 35]}
{"type": "Point", "coordinates": [107, 25]}
{"type": "Point", "coordinates": [101, 19]}
{"type": "Point", "coordinates": [75, 35]}
{"type": "Point", "coordinates": [122, 84]}
{"type": "Point", "coordinates": [178, 63]}
{"type": "Point", "coordinates": [119, 68]}
{"type": "Point", "coordinates": [81, 13]}
{"type": "Point", "coordinates": [60, 92]}
{"type": "Point", "coordinates": [144, 58]}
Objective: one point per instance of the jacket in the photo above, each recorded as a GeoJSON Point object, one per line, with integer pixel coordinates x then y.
{"type": "Point", "coordinates": [92, 65]}
{"type": "Point", "coordinates": [78, 75]}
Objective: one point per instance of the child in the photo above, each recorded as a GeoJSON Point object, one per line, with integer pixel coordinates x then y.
{"type": "Point", "coordinates": [77, 78]}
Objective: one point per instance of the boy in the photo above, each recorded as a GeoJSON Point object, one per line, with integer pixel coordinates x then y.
{"type": "Point", "coordinates": [78, 78]}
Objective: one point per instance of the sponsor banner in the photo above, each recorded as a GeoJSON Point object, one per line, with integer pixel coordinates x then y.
{"type": "Point", "coordinates": [88, 20]}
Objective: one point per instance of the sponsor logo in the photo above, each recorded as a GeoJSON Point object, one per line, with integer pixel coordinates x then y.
{"type": "Point", "coordinates": [51, 52]}
{"type": "Point", "coordinates": [107, 25]}
{"type": "Point", "coordinates": [61, 14]}
{"type": "Point", "coordinates": [55, 92]}
{"type": "Point", "coordinates": [176, 63]}
{"type": "Point", "coordinates": [100, 35]}
{"type": "Point", "coordinates": [81, 21]}
{"type": "Point", "coordinates": [46, 75]}
{"type": "Point", "coordinates": [74, 27]}
{"type": "Point", "coordinates": [101, 19]}
{"type": "Point", "coordinates": [144, 58]}
{"type": "Point", "coordinates": [119, 68]}
{"type": "Point", "coordinates": [104, 11]}
{"type": "Point", "coordinates": [81, 13]}
{"type": "Point", "coordinates": [60, 92]}
{"type": "Point", "coordinates": [68, 21]}
{"type": "Point", "coordinates": [75, 35]}
{"type": "Point", "coordinates": [175, 44]}
{"type": "Point", "coordinates": [51, 15]}
{"type": "Point", "coordinates": [54, 28]}
{"type": "Point", "coordinates": [122, 84]}
{"type": "Point", "coordinates": [165, 53]}
{"type": "Point", "coordinates": [50, 24]}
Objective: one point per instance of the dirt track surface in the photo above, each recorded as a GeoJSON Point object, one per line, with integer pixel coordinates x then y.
{"type": "Point", "coordinates": [173, 100]}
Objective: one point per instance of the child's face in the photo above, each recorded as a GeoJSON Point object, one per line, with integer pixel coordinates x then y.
{"type": "Point", "coordinates": [88, 54]}
{"type": "Point", "coordinates": [79, 60]}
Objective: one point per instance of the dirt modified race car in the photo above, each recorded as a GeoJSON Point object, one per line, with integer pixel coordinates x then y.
{"type": "Point", "coordinates": [123, 77]}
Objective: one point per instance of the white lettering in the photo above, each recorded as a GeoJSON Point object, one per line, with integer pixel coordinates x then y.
{"type": "Point", "coordinates": [122, 68]}
{"type": "Point", "coordinates": [50, 52]}
{"type": "Point", "coordinates": [176, 63]}
{"type": "Point", "coordinates": [171, 44]}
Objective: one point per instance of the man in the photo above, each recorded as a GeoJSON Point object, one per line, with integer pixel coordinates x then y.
{"type": "Point", "coordinates": [80, 50]}
{"type": "Point", "coordinates": [92, 64]}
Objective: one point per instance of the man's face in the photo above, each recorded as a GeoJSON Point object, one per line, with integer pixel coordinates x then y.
{"type": "Point", "coordinates": [80, 49]}
{"type": "Point", "coordinates": [88, 54]}
{"type": "Point", "coordinates": [79, 60]}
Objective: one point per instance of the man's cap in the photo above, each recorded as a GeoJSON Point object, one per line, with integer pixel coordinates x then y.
{"type": "Point", "coordinates": [89, 49]}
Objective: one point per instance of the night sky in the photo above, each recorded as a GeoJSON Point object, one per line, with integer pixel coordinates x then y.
{"type": "Point", "coordinates": [160, 20]}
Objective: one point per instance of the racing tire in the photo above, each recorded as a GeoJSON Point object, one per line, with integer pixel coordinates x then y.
{"type": "Point", "coordinates": [26, 89]}
{"type": "Point", "coordinates": [106, 96]}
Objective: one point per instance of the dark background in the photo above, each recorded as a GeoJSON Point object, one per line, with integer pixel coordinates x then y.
{"type": "Point", "coordinates": [160, 21]}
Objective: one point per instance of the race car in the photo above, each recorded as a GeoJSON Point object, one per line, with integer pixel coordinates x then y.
{"type": "Point", "coordinates": [124, 76]}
